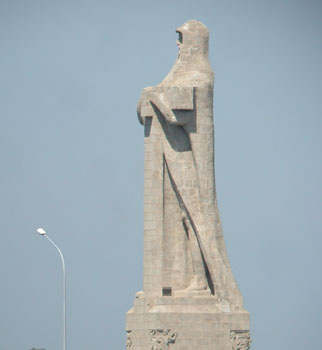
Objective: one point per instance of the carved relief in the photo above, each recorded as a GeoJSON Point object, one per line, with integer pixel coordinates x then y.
{"type": "Point", "coordinates": [240, 340]}
{"type": "Point", "coordinates": [128, 340]}
{"type": "Point", "coordinates": [162, 338]}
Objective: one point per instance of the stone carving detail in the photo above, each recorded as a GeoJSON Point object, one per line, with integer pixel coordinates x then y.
{"type": "Point", "coordinates": [162, 338]}
{"type": "Point", "coordinates": [128, 340]}
{"type": "Point", "coordinates": [240, 340]}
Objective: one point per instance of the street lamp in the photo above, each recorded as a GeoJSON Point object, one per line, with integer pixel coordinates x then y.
{"type": "Point", "coordinates": [42, 232]}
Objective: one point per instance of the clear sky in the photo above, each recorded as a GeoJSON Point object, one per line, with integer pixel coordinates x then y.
{"type": "Point", "coordinates": [71, 153]}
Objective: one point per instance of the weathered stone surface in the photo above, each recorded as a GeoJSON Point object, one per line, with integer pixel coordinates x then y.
{"type": "Point", "coordinates": [190, 299]}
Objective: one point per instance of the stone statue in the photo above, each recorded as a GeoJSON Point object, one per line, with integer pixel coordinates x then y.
{"type": "Point", "coordinates": [182, 107]}
{"type": "Point", "coordinates": [185, 259]}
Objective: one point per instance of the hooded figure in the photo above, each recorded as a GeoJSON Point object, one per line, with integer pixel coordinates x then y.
{"type": "Point", "coordinates": [179, 130]}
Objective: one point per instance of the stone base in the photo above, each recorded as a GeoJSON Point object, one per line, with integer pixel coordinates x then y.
{"type": "Point", "coordinates": [185, 323]}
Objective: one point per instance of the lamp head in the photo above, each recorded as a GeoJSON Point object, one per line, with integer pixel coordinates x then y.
{"type": "Point", "coordinates": [41, 231]}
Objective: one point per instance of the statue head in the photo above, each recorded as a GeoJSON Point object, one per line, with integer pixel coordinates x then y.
{"type": "Point", "coordinates": [193, 36]}
{"type": "Point", "coordinates": [192, 64]}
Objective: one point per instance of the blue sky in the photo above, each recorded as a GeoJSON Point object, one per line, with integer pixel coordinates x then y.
{"type": "Point", "coordinates": [72, 161]}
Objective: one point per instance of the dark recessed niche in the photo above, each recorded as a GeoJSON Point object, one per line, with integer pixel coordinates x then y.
{"type": "Point", "coordinates": [167, 291]}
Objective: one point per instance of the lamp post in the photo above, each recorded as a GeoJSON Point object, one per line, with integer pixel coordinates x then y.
{"type": "Point", "coordinates": [43, 233]}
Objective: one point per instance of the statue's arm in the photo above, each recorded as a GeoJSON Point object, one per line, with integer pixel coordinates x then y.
{"type": "Point", "coordinates": [139, 113]}
{"type": "Point", "coordinates": [158, 101]}
{"type": "Point", "coordinates": [174, 103]}
{"type": "Point", "coordinates": [144, 108]}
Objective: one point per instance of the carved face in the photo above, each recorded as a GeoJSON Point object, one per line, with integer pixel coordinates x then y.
{"type": "Point", "coordinates": [179, 41]}
{"type": "Point", "coordinates": [193, 34]}
{"type": "Point", "coordinates": [241, 340]}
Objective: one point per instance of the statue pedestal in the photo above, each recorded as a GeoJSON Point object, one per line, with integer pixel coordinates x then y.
{"type": "Point", "coordinates": [186, 323]}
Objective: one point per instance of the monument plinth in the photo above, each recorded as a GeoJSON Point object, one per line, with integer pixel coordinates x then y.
{"type": "Point", "coordinates": [190, 299]}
